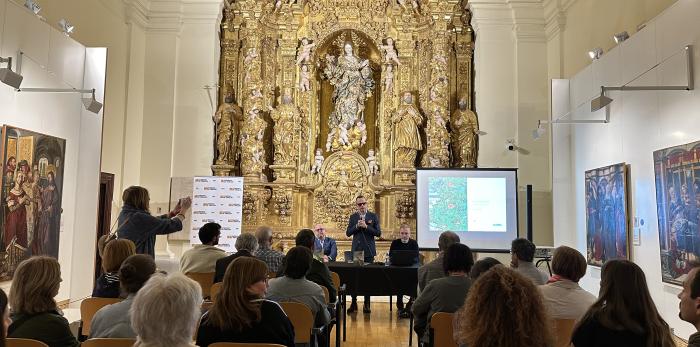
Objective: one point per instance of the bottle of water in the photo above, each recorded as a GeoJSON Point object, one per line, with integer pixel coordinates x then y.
{"type": "Point", "coordinates": [387, 262]}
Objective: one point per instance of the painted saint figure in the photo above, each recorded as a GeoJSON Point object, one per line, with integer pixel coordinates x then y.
{"type": "Point", "coordinates": [46, 234]}
{"type": "Point", "coordinates": [16, 218]}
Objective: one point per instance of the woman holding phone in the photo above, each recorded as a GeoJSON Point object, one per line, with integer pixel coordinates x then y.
{"type": "Point", "coordinates": [138, 225]}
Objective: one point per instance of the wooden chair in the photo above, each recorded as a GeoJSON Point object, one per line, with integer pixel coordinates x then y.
{"type": "Point", "coordinates": [563, 328]}
{"type": "Point", "coordinates": [214, 292]}
{"type": "Point", "coordinates": [271, 275]}
{"type": "Point", "coordinates": [441, 329]}
{"type": "Point", "coordinates": [326, 295]}
{"type": "Point", "coordinates": [231, 344]}
{"type": "Point", "coordinates": [88, 308]}
{"type": "Point", "coordinates": [302, 321]}
{"type": "Point", "coordinates": [13, 342]}
{"type": "Point", "coordinates": [100, 342]}
{"type": "Point", "coordinates": [335, 278]}
{"type": "Point", "coordinates": [205, 280]}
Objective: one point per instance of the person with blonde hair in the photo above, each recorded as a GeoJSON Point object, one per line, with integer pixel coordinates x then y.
{"type": "Point", "coordinates": [240, 312]}
{"type": "Point", "coordinates": [34, 312]}
{"type": "Point", "coordinates": [562, 295]}
{"type": "Point", "coordinates": [115, 252]}
{"type": "Point", "coordinates": [136, 223]}
{"type": "Point", "coordinates": [165, 311]}
{"type": "Point", "coordinates": [503, 309]}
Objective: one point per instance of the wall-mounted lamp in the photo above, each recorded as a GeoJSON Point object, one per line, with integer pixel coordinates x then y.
{"type": "Point", "coordinates": [9, 77]}
{"type": "Point", "coordinates": [90, 103]}
{"type": "Point", "coordinates": [621, 37]}
{"type": "Point", "coordinates": [595, 53]}
{"type": "Point", "coordinates": [66, 27]}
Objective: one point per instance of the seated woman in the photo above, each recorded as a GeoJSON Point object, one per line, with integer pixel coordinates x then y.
{"type": "Point", "coordinates": [563, 297]}
{"type": "Point", "coordinates": [240, 314]}
{"type": "Point", "coordinates": [503, 309]}
{"type": "Point", "coordinates": [482, 265]}
{"type": "Point", "coordinates": [34, 312]}
{"type": "Point", "coordinates": [107, 285]}
{"type": "Point", "coordinates": [444, 294]}
{"type": "Point", "coordinates": [114, 321]}
{"type": "Point", "coordinates": [624, 314]}
{"type": "Point", "coordinates": [165, 311]}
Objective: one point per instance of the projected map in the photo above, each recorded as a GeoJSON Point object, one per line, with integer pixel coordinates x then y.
{"type": "Point", "coordinates": [447, 203]}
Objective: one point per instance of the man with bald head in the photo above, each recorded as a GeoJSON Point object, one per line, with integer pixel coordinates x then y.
{"type": "Point", "coordinates": [433, 270]}
{"type": "Point", "coordinates": [324, 244]}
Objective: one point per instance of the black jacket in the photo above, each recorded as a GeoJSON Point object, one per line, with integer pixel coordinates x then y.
{"type": "Point", "coordinates": [363, 238]}
{"type": "Point", "coordinates": [48, 327]}
{"type": "Point", "coordinates": [222, 264]}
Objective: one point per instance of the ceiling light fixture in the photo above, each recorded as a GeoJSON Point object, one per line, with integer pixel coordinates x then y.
{"type": "Point", "coordinates": [90, 103]}
{"type": "Point", "coordinates": [9, 77]}
{"type": "Point", "coordinates": [540, 130]}
{"type": "Point", "coordinates": [595, 53]}
{"type": "Point", "coordinates": [66, 27]}
{"type": "Point", "coordinates": [621, 37]}
{"type": "Point", "coordinates": [33, 6]}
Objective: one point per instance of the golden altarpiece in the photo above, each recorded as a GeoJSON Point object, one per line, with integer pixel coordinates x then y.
{"type": "Point", "coordinates": [324, 100]}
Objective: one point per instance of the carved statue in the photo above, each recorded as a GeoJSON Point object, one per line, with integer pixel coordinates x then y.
{"type": "Point", "coordinates": [227, 119]}
{"type": "Point", "coordinates": [465, 133]}
{"type": "Point", "coordinates": [372, 162]}
{"type": "Point", "coordinates": [390, 52]}
{"type": "Point", "coordinates": [407, 141]}
{"type": "Point", "coordinates": [252, 147]}
{"type": "Point", "coordinates": [352, 79]}
{"type": "Point", "coordinates": [287, 118]}
{"type": "Point", "coordinates": [304, 53]}
{"type": "Point", "coordinates": [304, 76]}
{"type": "Point", "coordinates": [389, 79]}
{"type": "Point", "coordinates": [438, 139]}
{"type": "Point", "coordinates": [318, 161]}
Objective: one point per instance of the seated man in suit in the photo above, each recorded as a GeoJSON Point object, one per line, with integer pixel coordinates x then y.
{"type": "Point", "coordinates": [324, 244]}
{"type": "Point", "coordinates": [404, 243]}
{"type": "Point", "coordinates": [246, 244]}
{"type": "Point", "coordinates": [433, 270]}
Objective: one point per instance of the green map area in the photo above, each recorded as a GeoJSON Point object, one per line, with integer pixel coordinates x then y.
{"type": "Point", "coordinates": [447, 203]}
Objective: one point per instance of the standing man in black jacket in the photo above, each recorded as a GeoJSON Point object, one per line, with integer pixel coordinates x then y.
{"type": "Point", "coordinates": [363, 227]}
{"type": "Point", "coordinates": [404, 243]}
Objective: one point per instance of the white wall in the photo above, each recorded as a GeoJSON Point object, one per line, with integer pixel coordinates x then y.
{"type": "Point", "coordinates": [640, 123]}
{"type": "Point", "coordinates": [53, 60]}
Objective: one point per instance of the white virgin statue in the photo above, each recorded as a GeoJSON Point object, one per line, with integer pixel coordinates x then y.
{"type": "Point", "coordinates": [352, 79]}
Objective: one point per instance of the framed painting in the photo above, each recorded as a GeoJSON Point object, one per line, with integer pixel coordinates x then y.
{"type": "Point", "coordinates": [607, 221]}
{"type": "Point", "coordinates": [677, 172]}
{"type": "Point", "coordinates": [32, 186]}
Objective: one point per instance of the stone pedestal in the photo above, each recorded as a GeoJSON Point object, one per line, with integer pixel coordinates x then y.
{"type": "Point", "coordinates": [284, 173]}
{"type": "Point", "coordinates": [404, 176]}
{"type": "Point", "coordinates": [223, 170]}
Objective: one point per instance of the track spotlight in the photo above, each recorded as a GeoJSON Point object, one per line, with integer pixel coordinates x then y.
{"type": "Point", "coordinates": [621, 37]}
{"type": "Point", "coordinates": [9, 77]}
{"type": "Point", "coordinates": [91, 104]}
{"type": "Point", "coordinates": [32, 6]}
{"type": "Point", "coordinates": [595, 53]}
{"type": "Point", "coordinates": [66, 27]}
{"type": "Point", "coordinates": [600, 102]}
{"type": "Point", "coordinates": [539, 131]}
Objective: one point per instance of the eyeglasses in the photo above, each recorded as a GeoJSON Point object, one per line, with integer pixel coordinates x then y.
{"type": "Point", "coordinates": [319, 229]}
{"type": "Point", "coordinates": [361, 203]}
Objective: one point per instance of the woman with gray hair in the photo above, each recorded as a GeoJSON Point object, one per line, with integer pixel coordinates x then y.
{"type": "Point", "coordinates": [165, 311]}
{"type": "Point", "coordinates": [246, 244]}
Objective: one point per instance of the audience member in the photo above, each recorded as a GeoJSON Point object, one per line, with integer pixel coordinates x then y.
{"type": "Point", "coordinates": [240, 314]}
{"type": "Point", "coordinates": [522, 254]}
{"type": "Point", "coordinates": [246, 244]}
{"type": "Point", "coordinates": [294, 287]}
{"type": "Point", "coordinates": [271, 257]}
{"type": "Point", "coordinates": [434, 269]}
{"type": "Point", "coordinates": [624, 314]}
{"type": "Point", "coordinates": [689, 306]}
{"type": "Point", "coordinates": [6, 321]}
{"type": "Point", "coordinates": [324, 244]}
{"type": "Point", "coordinates": [482, 265]}
{"type": "Point", "coordinates": [34, 312]}
{"type": "Point", "coordinates": [202, 258]}
{"type": "Point", "coordinates": [165, 311]}
{"type": "Point", "coordinates": [503, 309]}
{"type": "Point", "coordinates": [115, 252]}
{"type": "Point", "coordinates": [445, 294]}
{"type": "Point", "coordinates": [404, 243]}
{"type": "Point", "coordinates": [563, 297]}
{"type": "Point", "coordinates": [114, 321]}
{"type": "Point", "coordinates": [136, 223]}
{"type": "Point", "coordinates": [318, 272]}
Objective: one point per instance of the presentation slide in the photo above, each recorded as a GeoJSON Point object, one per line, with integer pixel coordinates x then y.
{"type": "Point", "coordinates": [480, 205]}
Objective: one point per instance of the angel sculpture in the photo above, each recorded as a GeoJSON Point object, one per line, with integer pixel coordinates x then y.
{"type": "Point", "coordinates": [372, 163]}
{"type": "Point", "coordinates": [304, 76]}
{"type": "Point", "coordinates": [305, 48]}
{"type": "Point", "coordinates": [252, 54]}
{"type": "Point", "coordinates": [318, 161]}
{"type": "Point", "coordinates": [389, 79]}
{"type": "Point", "coordinates": [391, 55]}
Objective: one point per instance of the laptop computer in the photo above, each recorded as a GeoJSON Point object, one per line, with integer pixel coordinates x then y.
{"type": "Point", "coordinates": [403, 258]}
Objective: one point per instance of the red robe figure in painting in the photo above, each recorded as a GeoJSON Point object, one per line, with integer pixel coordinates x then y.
{"type": "Point", "coordinates": [16, 219]}
{"type": "Point", "coordinates": [44, 239]}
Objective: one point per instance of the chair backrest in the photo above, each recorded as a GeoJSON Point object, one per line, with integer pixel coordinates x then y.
{"type": "Point", "coordinates": [13, 342]}
{"type": "Point", "coordinates": [108, 342]}
{"type": "Point", "coordinates": [231, 344]}
{"type": "Point", "coordinates": [326, 295]}
{"type": "Point", "coordinates": [215, 289]}
{"type": "Point", "coordinates": [205, 280]}
{"type": "Point", "coordinates": [271, 274]}
{"type": "Point", "coordinates": [441, 324]}
{"type": "Point", "coordinates": [89, 307]}
{"type": "Point", "coordinates": [301, 318]}
{"type": "Point", "coordinates": [335, 278]}
{"type": "Point", "coordinates": [563, 328]}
